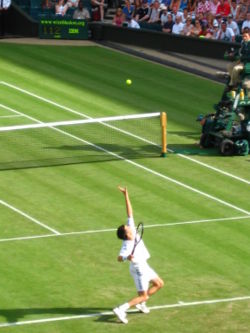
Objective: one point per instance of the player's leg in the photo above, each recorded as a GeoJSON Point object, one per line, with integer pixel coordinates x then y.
{"type": "Point", "coordinates": [156, 284]}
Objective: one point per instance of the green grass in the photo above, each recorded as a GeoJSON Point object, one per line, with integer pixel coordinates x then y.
{"type": "Point", "coordinates": [77, 274]}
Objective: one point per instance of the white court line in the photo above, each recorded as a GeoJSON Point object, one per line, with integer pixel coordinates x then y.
{"type": "Point", "coordinates": [4, 203]}
{"type": "Point", "coordinates": [84, 115]}
{"type": "Point", "coordinates": [11, 116]}
{"type": "Point", "coordinates": [140, 166]}
{"type": "Point", "coordinates": [97, 231]}
{"type": "Point", "coordinates": [180, 304]}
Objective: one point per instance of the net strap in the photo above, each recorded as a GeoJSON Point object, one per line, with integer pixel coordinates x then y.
{"type": "Point", "coordinates": [78, 122]}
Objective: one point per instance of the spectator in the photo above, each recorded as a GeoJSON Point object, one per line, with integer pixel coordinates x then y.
{"type": "Point", "coordinates": [137, 6]}
{"type": "Point", "coordinates": [224, 8]}
{"type": "Point", "coordinates": [214, 6]}
{"type": "Point", "coordinates": [233, 25]}
{"type": "Point", "coordinates": [241, 12]}
{"type": "Point", "coordinates": [142, 14]}
{"type": "Point", "coordinates": [4, 6]}
{"type": "Point", "coordinates": [98, 9]}
{"type": "Point", "coordinates": [225, 33]}
{"type": "Point", "coordinates": [215, 29]}
{"type": "Point", "coordinates": [175, 5]}
{"type": "Point", "coordinates": [185, 15]}
{"type": "Point", "coordinates": [236, 67]}
{"type": "Point", "coordinates": [191, 6]}
{"type": "Point", "coordinates": [246, 22]}
{"type": "Point", "coordinates": [183, 4]}
{"type": "Point", "coordinates": [154, 16]}
{"type": "Point", "coordinates": [73, 3]}
{"type": "Point", "coordinates": [203, 7]}
{"type": "Point", "coordinates": [168, 26]}
{"type": "Point", "coordinates": [188, 27]}
{"type": "Point", "coordinates": [118, 18]}
{"type": "Point", "coordinates": [128, 9]}
{"type": "Point", "coordinates": [47, 4]}
{"type": "Point", "coordinates": [81, 13]}
{"type": "Point", "coordinates": [61, 8]}
{"type": "Point", "coordinates": [218, 19]}
{"type": "Point", "coordinates": [233, 6]}
{"type": "Point", "coordinates": [164, 14]}
{"type": "Point", "coordinates": [205, 32]}
{"type": "Point", "coordinates": [167, 3]}
{"type": "Point", "coordinates": [196, 30]}
{"type": "Point", "coordinates": [178, 26]}
{"type": "Point", "coordinates": [175, 12]}
{"type": "Point", "coordinates": [132, 23]}
{"type": "Point", "coordinates": [210, 21]}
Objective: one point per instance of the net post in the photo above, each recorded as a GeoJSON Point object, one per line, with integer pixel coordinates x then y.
{"type": "Point", "coordinates": [164, 134]}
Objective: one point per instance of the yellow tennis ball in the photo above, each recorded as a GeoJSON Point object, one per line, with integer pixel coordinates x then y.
{"type": "Point", "coordinates": [128, 82]}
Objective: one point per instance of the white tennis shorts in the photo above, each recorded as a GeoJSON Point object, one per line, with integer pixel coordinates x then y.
{"type": "Point", "coordinates": [142, 274]}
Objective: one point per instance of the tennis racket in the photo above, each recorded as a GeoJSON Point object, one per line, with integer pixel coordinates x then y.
{"type": "Point", "coordinates": [138, 236]}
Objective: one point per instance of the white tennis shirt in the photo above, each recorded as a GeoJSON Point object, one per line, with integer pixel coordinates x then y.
{"type": "Point", "coordinates": [141, 253]}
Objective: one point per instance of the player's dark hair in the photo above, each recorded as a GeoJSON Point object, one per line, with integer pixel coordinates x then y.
{"type": "Point", "coordinates": [121, 233]}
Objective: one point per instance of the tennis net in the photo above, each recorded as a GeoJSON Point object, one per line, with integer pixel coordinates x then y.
{"type": "Point", "coordinates": [78, 141]}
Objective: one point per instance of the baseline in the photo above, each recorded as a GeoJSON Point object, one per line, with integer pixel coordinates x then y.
{"type": "Point", "coordinates": [180, 304]}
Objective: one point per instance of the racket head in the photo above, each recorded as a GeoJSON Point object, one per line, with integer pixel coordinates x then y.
{"type": "Point", "coordinates": [139, 232]}
{"type": "Point", "coordinates": [138, 235]}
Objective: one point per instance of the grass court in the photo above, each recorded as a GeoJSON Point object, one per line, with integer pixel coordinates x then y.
{"type": "Point", "coordinates": [59, 212]}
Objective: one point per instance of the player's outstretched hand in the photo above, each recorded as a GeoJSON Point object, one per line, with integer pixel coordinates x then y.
{"type": "Point", "coordinates": [123, 189]}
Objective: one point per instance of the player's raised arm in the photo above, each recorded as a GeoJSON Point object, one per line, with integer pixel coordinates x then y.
{"type": "Point", "coordinates": [127, 200]}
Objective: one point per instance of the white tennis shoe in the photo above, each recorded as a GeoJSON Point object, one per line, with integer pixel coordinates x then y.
{"type": "Point", "coordinates": [121, 315]}
{"type": "Point", "coordinates": [142, 307]}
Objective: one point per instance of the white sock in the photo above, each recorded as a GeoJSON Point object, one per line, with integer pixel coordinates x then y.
{"type": "Point", "coordinates": [124, 307]}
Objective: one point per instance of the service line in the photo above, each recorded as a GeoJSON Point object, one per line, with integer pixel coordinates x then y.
{"type": "Point", "coordinates": [149, 226]}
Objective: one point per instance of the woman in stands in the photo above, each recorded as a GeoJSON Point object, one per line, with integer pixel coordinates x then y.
{"type": "Point", "coordinates": [118, 18]}
{"type": "Point", "coordinates": [61, 8]}
{"type": "Point", "coordinates": [196, 30]}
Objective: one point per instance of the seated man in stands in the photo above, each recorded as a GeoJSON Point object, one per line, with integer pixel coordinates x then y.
{"type": "Point", "coordinates": [178, 26]}
{"type": "Point", "coordinates": [168, 26]}
{"type": "Point", "coordinates": [131, 23]}
{"type": "Point", "coordinates": [81, 13]}
{"type": "Point", "coordinates": [155, 13]}
{"type": "Point", "coordinates": [142, 14]}
{"type": "Point", "coordinates": [236, 68]}
{"type": "Point", "coordinates": [246, 22]}
{"type": "Point", "coordinates": [225, 33]}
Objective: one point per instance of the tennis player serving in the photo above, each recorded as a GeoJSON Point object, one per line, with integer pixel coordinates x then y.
{"type": "Point", "coordinates": [133, 249]}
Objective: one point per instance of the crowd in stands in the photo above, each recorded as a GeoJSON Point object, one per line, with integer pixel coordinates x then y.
{"type": "Point", "coordinates": [216, 19]}
{"type": "Point", "coordinates": [76, 8]}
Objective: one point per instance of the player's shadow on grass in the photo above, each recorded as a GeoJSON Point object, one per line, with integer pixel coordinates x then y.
{"type": "Point", "coordinates": [14, 315]}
